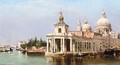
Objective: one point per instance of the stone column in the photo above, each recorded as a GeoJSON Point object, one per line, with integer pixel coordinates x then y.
{"type": "Point", "coordinates": [71, 45]}
{"type": "Point", "coordinates": [47, 45]}
{"type": "Point", "coordinates": [74, 45]}
{"type": "Point", "coordinates": [61, 45]}
{"type": "Point", "coordinates": [54, 45]}
{"type": "Point", "coordinates": [50, 45]}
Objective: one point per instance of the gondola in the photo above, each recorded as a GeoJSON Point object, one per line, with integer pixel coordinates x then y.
{"type": "Point", "coordinates": [109, 53]}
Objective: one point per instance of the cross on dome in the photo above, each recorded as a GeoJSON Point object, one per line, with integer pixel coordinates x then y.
{"type": "Point", "coordinates": [61, 13]}
{"type": "Point", "coordinates": [103, 14]}
{"type": "Point", "coordinates": [86, 21]}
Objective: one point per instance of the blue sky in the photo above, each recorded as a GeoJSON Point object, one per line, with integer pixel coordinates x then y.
{"type": "Point", "coordinates": [25, 19]}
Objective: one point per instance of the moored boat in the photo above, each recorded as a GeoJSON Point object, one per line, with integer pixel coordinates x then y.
{"type": "Point", "coordinates": [109, 53]}
{"type": "Point", "coordinates": [81, 54]}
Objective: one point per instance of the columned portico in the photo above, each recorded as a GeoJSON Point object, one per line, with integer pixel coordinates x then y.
{"type": "Point", "coordinates": [57, 44]}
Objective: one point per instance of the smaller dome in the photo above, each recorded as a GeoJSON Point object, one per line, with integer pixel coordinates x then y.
{"type": "Point", "coordinates": [86, 26]}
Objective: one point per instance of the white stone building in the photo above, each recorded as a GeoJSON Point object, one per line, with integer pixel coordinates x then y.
{"type": "Point", "coordinates": [83, 40]}
{"type": "Point", "coordinates": [19, 44]}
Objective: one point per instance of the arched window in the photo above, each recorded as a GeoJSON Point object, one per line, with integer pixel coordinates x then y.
{"type": "Point", "coordinates": [59, 30]}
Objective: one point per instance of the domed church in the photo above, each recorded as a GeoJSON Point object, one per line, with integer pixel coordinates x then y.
{"type": "Point", "coordinates": [103, 25]}
{"type": "Point", "coordinates": [83, 39]}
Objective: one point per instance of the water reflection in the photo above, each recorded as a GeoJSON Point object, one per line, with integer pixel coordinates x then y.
{"type": "Point", "coordinates": [42, 60]}
{"type": "Point", "coordinates": [64, 61]}
{"type": "Point", "coordinates": [81, 61]}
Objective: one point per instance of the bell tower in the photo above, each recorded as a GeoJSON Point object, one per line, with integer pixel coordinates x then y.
{"type": "Point", "coordinates": [61, 26]}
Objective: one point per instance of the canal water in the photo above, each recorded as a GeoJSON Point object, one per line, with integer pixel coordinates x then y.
{"type": "Point", "coordinates": [18, 58]}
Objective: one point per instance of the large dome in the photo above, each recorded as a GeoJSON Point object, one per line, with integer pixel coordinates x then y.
{"type": "Point", "coordinates": [86, 26]}
{"type": "Point", "coordinates": [104, 22]}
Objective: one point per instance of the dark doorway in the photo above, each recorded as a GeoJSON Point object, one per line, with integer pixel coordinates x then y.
{"type": "Point", "coordinates": [58, 43]}
{"type": "Point", "coordinates": [67, 44]}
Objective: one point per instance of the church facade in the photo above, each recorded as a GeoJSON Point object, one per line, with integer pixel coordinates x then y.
{"type": "Point", "coordinates": [83, 40]}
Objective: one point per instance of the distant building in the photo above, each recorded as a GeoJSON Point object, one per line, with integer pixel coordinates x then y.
{"type": "Point", "coordinates": [84, 39]}
{"type": "Point", "coordinates": [19, 44]}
